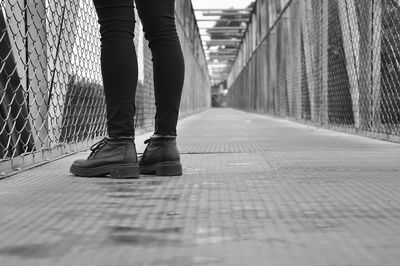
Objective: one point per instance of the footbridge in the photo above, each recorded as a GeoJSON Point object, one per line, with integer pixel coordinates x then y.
{"type": "Point", "coordinates": [289, 136]}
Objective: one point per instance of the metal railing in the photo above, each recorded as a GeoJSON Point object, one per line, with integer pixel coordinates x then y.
{"type": "Point", "coordinates": [332, 63]}
{"type": "Point", "coordinates": [51, 92]}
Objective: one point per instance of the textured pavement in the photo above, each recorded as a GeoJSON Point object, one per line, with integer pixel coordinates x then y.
{"type": "Point", "coordinates": [255, 191]}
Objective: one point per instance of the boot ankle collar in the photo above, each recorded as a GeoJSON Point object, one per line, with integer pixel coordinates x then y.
{"type": "Point", "coordinates": [121, 138]}
{"type": "Point", "coordinates": [159, 139]}
{"type": "Point", "coordinates": [163, 137]}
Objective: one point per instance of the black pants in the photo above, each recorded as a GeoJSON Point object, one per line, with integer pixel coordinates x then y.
{"type": "Point", "coordinates": [120, 68]}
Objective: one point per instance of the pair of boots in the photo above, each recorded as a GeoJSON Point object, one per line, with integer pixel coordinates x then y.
{"type": "Point", "coordinates": [118, 158]}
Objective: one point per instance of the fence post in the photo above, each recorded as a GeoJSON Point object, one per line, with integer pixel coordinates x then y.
{"type": "Point", "coordinates": [324, 119]}
{"type": "Point", "coordinates": [16, 24]}
{"type": "Point", "coordinates": [59, 65]}
{"type": "Point", "coordinates": [36, 67]}
{"type": "Point", "coordinates": [294, 62]}
{"type": "Point", "coordinates": [307, 23]}
{"type": "Point", "coordinates": [283, 28]}
{"type": "Point", "coordinates": [351, 41]}
{"type": "Point", "coordinates": [369, 60]}
{"type": "Point", "coordinates": [376, 62]}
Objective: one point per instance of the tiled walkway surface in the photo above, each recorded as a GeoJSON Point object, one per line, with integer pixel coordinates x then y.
{"type": "Point", "coordinates": [255, 191]}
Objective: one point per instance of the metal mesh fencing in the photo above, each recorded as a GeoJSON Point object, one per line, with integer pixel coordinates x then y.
{"type": "Point", "coordinates": [51, 89]}
{"type": "Point", "coordinates": [50, 78]}
{"type": "Point", "coordinates": [332, 63]}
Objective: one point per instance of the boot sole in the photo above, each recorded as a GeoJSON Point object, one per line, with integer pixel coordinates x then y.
{"type": "Point", "coordinates": [162, 169]}
{"type": "Point", "coordinates": [117, 171]}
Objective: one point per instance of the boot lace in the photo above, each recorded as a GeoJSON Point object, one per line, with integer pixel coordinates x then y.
{"type": "Point", "coordinates": [147, 141]}
{"type": "Point", "coordinates": [97, 147]}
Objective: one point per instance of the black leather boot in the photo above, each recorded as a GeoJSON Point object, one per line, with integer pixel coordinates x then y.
{"type": "Point", "coordinates": [114, 157]}
{"type": "Point", "coordinates": [161, 157]}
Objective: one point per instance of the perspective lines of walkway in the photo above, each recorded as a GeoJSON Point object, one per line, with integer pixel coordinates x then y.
{"type": "Point", "coordinates": [255, 191]}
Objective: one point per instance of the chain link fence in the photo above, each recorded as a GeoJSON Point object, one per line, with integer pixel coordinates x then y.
{"type": "Point", "coordinates": [51, 92]}
{"type": "Point", "coordinates": [332, 63]}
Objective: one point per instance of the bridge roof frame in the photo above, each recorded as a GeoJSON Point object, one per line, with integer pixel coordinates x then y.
{"type": "Point", "coordinates": [233, 36]}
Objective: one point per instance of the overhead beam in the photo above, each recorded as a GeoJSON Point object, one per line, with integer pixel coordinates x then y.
{"type": "Point", "coordinates": [210, 64]}
{"type": "Point", "coordinates": [220, 73]}
{"type": "Point", "coordinates": [224, 28]}
{"type": "Point", "coordinates": [216, 43]}
{"type": "Point", "coordinates": [224, 40]}
{"type": "Point", "coordinates": [229, 33]}
{"type": "Point", "coordinates": [222, 61]}
{"type": "Point", "coordinates": [219, 76]}
{"type": "Point", "coordinates": [224, 9]}
{"type": "Point", "coordinates": [223, 50]}
{"type": "Point", "coordinates": [220, 54]}
{"type": "Point", "coordinates": [224, 20]}
{"type": "Point", "coordinates": [225, 14]}
{"type": "Point", "coordinates": [215, 64]}
{"type": "Point", "coordinates": [211, 31]}
{"type": "Point", "coordinates": [228, 36]}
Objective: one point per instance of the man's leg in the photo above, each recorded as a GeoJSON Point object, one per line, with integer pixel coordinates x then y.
{"type": "Point", "coordinates": [118, 64]}
{"type": "Point", "coordinates": [158, 19]}
{"type": "Point", "coordinates": [115, 156]}
{"type": "Point", "coordinates": [161, 156]}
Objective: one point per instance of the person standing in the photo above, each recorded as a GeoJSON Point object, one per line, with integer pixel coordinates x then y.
{"type": "Point", "coordinates": [116, 155]}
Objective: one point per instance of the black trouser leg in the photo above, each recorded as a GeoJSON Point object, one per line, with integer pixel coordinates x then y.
{"type": "Point", "coordinates": [158, 19]}
{"type": "Point", "coordinates": [118, 64]}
